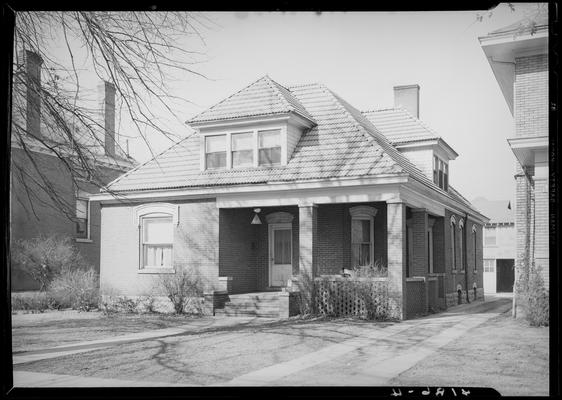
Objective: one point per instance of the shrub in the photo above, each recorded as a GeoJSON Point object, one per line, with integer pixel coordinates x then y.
{"type": "Point", "coordinates": [45, 257]}
{"type": "Point", "coordinates": [77, 289]}
{"type": "Point", "coordinates": [184, 289]}
{"type": "Point", "coordinates": [536, 297]}
{"type": "Point", "coordinates": [34, 302]}
{"type": "Point", "coordinates": [306, 295]}
{"type": "Point", "coordinates": [376, 270]}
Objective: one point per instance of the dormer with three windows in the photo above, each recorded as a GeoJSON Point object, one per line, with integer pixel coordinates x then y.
{"type": "Point", "coordinates": [259, 126]}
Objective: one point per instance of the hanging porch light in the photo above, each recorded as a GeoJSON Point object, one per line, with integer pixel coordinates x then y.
{"type": "Point", "coordinates": [256, 220]}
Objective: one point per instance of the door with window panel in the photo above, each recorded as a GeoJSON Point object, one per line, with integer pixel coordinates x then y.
{"type": "Point", "coordinates": [280, 254]}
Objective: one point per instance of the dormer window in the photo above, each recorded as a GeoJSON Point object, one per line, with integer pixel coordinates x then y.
{"type": "Point", "coordinates": [242, 149]}
{"type": "Point", "coordinates": [440, 173]}
{"type": "Point", "coordinates": [269, 147]}
{"type": "Point", "coordinates": [215, 152]}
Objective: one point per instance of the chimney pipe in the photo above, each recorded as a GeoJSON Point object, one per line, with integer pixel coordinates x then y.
{"type": "Point", "coordinates": [33, 63]}
{"type": "Point", "coordinates": [107, 106]}
{"type": "Point", "coordinates": [408, 97]}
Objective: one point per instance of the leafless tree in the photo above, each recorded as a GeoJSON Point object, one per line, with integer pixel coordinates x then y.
{"type": "Point", "coordinates": [135, 51]}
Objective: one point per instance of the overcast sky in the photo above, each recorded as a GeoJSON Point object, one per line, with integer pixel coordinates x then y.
{"type": "Point", "coordinates": [361, 56]}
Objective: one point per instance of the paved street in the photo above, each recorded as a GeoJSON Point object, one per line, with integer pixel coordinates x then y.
{"type": "Point", "coordinates": [323, 353]}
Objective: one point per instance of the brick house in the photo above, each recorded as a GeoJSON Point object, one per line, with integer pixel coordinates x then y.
{"type": "Point", "coordinates": [278, 181]}
{"type": "Point", "coordinates": [518, 56]}
{"type": "Point", "coordinates": [499, 245]}
{"type": "Point", "coordinates": [33, 210]}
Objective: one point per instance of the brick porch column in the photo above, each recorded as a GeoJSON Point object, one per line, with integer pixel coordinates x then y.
{"type": "Point", "coordinates": [396, 232]}
{"type": "Point", "coordinates": [308, 236]}
{"type": "Point", "coordinates": [419, 227]}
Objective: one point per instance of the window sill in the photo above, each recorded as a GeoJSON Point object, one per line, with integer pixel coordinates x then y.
{"type": "Point", "coordinates": [80, 240]}
{"type": "Point", "coordinates": [157, 271]}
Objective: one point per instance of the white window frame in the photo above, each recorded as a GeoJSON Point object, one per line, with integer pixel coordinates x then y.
{"type": "Point", "coordinates": [474, 244]}
{"type": "Point", "coordinates": [255, 140]}
{"type": "Point", "coordinates": [364, 213]}
{"type": "Point", "coordinates": [154, 210]}
{"type": "Point", "coordinates": [260, 148]}
{"type": "Point", "coordinates": [252, 134]}
{"type": "Point", "coordinates": [440, 165]}
{"type": "Point", "coordinates": [490, 268]}
{"type": "Point", "coordinates": [453, 240]}
{"type": "Point", "coordinates": [226, 149]}
{"type": "Point", "coordinates": [82, 195]}
{"type": "Point", "coordinates": [461, 241]}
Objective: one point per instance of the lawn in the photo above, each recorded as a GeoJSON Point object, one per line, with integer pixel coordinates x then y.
{"type": "Point", "coordinates": [37, 331]}
{"type": "Point", "coordinates": [505, 354]}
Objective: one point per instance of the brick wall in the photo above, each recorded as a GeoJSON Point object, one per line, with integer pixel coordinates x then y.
{"type": "Point", "coordinates": [262, 249]}
{"type": "Point", "coordinates": [416, 303]}
{"type": "Point", "coordinates": [531, 95]}
{"type": "Point", "coordinates": [238, 248]}
{"type": "Point", "coordinates": [195, 245]}
{"type": "Point", "coordinates": [419, 227]}
{"type": "Point", "coordinates": [334, 236]}
{"type": "Point", "coordinates": [33, 213]}
{"type": "Point", "coordinates": [452, 278]}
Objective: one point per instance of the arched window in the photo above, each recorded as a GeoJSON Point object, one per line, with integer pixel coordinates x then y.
{"type": "Point", "coordinates": [156, 224]}
{"type": "Point", "coordinates": [362, 235]}
{"type": "Point", "coordinates": [474, 246]}
{"type": "Point", "coordinates": [461, 242]}
{"type": "Point", "coordinates": [453, 242]}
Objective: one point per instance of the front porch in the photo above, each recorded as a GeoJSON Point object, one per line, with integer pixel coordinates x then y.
{"type": "Point", "coordinates": [324, 239]}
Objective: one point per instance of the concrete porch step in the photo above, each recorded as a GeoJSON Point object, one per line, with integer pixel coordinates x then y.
{"type": "Point", "coordinates": [246, 313]}
{"type": "Point", "coordinates": [259, 304]}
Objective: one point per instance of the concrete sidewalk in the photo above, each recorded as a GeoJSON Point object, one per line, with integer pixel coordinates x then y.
{"type": "Point", "coordinates": [384, 363]}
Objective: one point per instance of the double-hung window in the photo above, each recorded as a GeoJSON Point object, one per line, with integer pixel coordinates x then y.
{"type": "Point", "coordinates": [461, 242]}
{"type": "Point", "coordinates": [489, 265]}
{"type": "Point", "coordinates": [157, 238]}
{"type": "Point", "coordinates": [453, 244]}
{"type": "Point", "coordinates": [82, 215]}
{"type": "Point", "coordinates": [440, 173]}
{"type": "Point", "coordinates": [242, 149]}
{"type": "Point", "coordinates": [269, 147]}
{"type": "Point", "coordinates": [215, 152]}
{"type": "Point", "coordinates": [361, 241]}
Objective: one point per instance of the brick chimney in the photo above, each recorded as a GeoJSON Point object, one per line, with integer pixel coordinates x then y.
{"type": "Point", "coordinates": [33, 63]}
{"type": "Point", "coordinates": [106, 92]}
{"type": "Point", "coordinates": [408, 97]}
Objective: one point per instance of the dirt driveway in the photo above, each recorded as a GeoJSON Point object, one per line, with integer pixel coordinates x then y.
{"type": "Point", "coordinates": [337, 352]}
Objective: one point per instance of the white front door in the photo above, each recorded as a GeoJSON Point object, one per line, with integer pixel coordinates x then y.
{"type": "Point", "coordinates": [280, 254]}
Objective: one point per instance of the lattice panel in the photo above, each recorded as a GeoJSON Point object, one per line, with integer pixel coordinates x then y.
{"type": "Point", "coordinates": [349, 297]}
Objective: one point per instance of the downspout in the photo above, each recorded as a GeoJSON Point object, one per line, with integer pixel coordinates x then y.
{"type": "Point", "coordinates": [464, 255]}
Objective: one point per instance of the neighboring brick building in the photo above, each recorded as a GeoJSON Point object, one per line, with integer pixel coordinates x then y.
{"type": "Point", "coordinates": [499, 245]}
{"type": "Point", "coordinates": [33, 210]}
{"type": "Point", "coordinates": [518, 55]}
{"type": "Point", "coordinates": [279, 181]}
